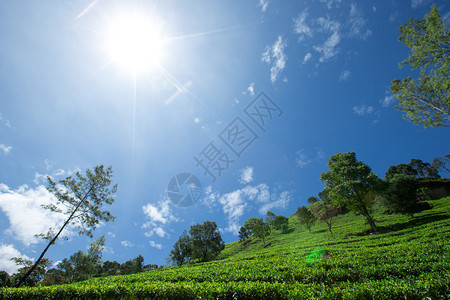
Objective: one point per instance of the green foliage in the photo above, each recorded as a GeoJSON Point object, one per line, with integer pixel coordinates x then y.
{"type": "Point", "coordinates": [270, 218]}
{"type": "Point", "coordinates": [312, 200]}
{"type": "Point", "coordinates": [281, 223]}
{"type": "Point", "coordinates": [306, 217]}
{"type": "Point", "coordinates": [409, 261]}
{"type": "Point", "coordinates": [5, 279]}
{"type": "Point", "coordinates": [27, 264]}
{"type": "Point", "coordinates": [81, 265]}
{"type": "Point", "coordinates": [349, 183]}
{"type": "Point", "coordinates": [182, 250]}
{"type": "Point", "coordinates": [81, 199]}
{"type": "Point", "coordinates": [401, 194]}
{"type": "Point", "coordinates": [425, 101]}
{"type": "Point", "coordinates": [206, 241]}
{"type": "Point", "coordinates": [442, 164]}
{"type": "Point", "coordinates": [258, 228]}
{"type": "Point", "coordinates": [416, 168]}
{"type": "Point", "coordinates": [133, 266]}
{"type": "Point", "coordinates": [243, 233]}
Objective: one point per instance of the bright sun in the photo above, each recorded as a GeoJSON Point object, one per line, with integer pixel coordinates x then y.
{"type": "Point", "coordinates": [134, 42]}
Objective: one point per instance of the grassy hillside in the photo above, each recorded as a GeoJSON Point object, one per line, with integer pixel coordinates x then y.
{"type": "Point", "coordinates": [410, 260]}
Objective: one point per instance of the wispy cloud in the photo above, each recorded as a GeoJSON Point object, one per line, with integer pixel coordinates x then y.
{"type": "Point", "coordinates": [345, 75]}
{"type": "Point", "coordinates": [263, 4]}
{"type": "Point", "coordinates": [387, 101]}
{"type": "Point", "coordinates": [127, 244]}
{"type": "Point", "coordinates": [153, 244]}
{"type": "Point", "coordinates": [329, 3]}
{"type": "Point", "coordinates": [307, 57]}
{"type": "Point", "coordinates": [274, 55]}
{"type": "Point", "coordinates": [357, 24]}
{"type": "Point", "coordinates": [251, 89]}
{"type": "Point", "coordinates": [4, 121]}
{"type": "Point", "coordinates": [5, 149]}
{"type": "Point", "coordinates": [235, 204]}
{"type": "Point", "coordinates": [246, 175]}
{"type": "Point", "coordinates": [26, 215]}
{"type": "Point", "coordinates": [158, 216]}
{"type": "Point", "coordinates": [417, 3]}
{"type": "Point", "coordinates": [302, 159]}
{"type": "Point", "coordinates": [363, 110]}
{"type": "Point", "coordinates": [300, 26]}
{"type": "Point", "coordinates": [6, 253]}
{"type": "Point", "coordinates": [328, 48]}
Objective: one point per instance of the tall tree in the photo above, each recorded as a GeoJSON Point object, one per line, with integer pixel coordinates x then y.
{"type": "Point", "coordinates": [182, 250]}
{"type": "Point", "coordinates": [281, 223]}
{"type": "Point", "coordinates": [81, 199]}
{"type": "Point", "coordinates": [426, 101]}
{"type": "Point", "coordinates": [349, 183]}
{"type": "Point", "coordinates": [81, 265]}
{"type": "Point", "coordinates": [306, 217]}
{"type": "Point", "coordinates": [442, 164]}
{"type": "Point", "coordinates": [401, 194]}
{"type": "Point", "coordinates": [206, 241]}
{"type": "Point", "coordinates": [259, 228]}
{"type": "Point", "coordinates": [312, 200]}
{"type": "Point", "coordinates": [26, 264]}
{"type": "Point", "coordinates": [270, 218]}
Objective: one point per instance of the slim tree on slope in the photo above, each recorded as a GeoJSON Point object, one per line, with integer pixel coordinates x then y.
{"type": "Point", "coordinates": [81, 199]}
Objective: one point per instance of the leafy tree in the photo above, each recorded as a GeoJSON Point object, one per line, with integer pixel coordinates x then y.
{"type": "Point", "coordinates": [54, 277]}
{"type": "Point", "coordinates": [244, 233]}
{"type": "Point", "coordinates": [442, 164]}
{"type": "Point", "coordinates": [306, 217]}
{"type": "Point", "coordinates": [81, 265]}
{"type": "Point", "coordinates": [133, 266]}
{"type": "Point", "coordinates": [182, 250]}
{"type": "Point", "coordinates": [206, 241]}
{"type": "Point", "coordinates": [425, 101]}
{"type": "Point", "coordinates": [401, 194]}
{"type": "Point", "coordinates": [260, 229]}
{"type": "Point", "coordinates": [349, 182]}
{"type": "Point", "coordinates": [81, 199]}
{"type": "Point", "coordinates": [312, 200]}
{"type": "Point", "coordinates": [270, 218]}
{"type": "Point", "coordinates": [281, 223]}
{"type": "Point", "coordinates": [416, 168]}
{"type": "Point", "coordinates": [328, 214]}
{"type": "Point", "coordinates": [110, 268]}
{"type": "Point", "coordinates": [26, 264]}
{"type": "Point", "coordinates": [5, 279]}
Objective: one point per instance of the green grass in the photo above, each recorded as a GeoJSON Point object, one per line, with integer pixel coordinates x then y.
{"type": "Point", "coordinates": [409, 260]}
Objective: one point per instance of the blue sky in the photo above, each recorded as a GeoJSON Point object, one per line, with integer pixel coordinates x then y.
{"type": "Point", "coordinates": [322, 68]}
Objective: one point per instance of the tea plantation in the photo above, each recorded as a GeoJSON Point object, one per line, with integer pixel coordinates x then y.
{"type": "Point", "coordinates": [409, 259]}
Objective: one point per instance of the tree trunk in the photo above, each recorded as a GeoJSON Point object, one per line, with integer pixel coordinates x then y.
{"type": "Point", "coordinates": [53, 240]}
{"type": "Point", "coordinates": [366, 214]}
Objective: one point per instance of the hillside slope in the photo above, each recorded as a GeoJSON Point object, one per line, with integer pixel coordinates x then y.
{"type": "Point", "coordinates": [409, 260]}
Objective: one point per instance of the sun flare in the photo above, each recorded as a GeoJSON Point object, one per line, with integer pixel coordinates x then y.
{"type": "Point", "coordinates": [134, 42]}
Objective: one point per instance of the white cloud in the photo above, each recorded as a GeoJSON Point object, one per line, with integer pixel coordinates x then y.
{"type": "Point", "coordinates": [246, 175]}
{"type": "Point", "coordinates": [417, 3]}
{"type": "Point", "coordinates": [328, 48]}
{"type": "Point", "coordinates": [155, 245]}
{"type": "Point", "coordinates": [301, 159]}
{"type": "Point", "coordinates": [307, 57]}
{"type": "Point", "coordinates": [374, 8]}
{"type": "Point", "coordinates": [388, 100]}
{"type": "Point", "coordinates": [263, 4]}
{"type": "Point", "coordinates": [235, 204]}
{"type": "Point", "coordinates": [330, 3]}
{"type": "Point", "coordinates": [127, 244]}
{"type": "Point", "coordinates": [111, 234]}
{"type": "Point", "coordinates": [345, 75]}
{"type": "Point", "coordinates": [251, 89]}
{"type": "Point", "coordinates": [159, 213]}
{"type": "Point", "coordinates": [6, 253]}
{"type": "Point", "coordinates": [5, 149]}
{"type": "Point", "coordinates": [300, 26]}
{"type": "Point", "coordinates": [26, 215]}
{"type": "Point", "coordinates": [276, 57]}
{"type": "Point", "coordinates": [362, 110]}
{"type": "Point", "coordinates": [281, 202]}
{"type": "Point", "coordinates": [5, 121]}
{"type": "Point", "coordinates": [357, 24]}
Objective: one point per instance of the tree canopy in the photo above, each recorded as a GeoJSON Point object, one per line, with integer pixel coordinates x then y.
{"type": "Point", "coordinates": [81, 199]}
{"type": "Point", "coordinates": [349, 183]}
{"type": "Point", "coordinates": [425, 101]}
{"type": "Point", "coordinates": [206, 241]}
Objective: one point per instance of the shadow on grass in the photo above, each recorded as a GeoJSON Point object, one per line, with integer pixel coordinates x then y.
{"type": "Point", "coordinates": [411, 223]}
